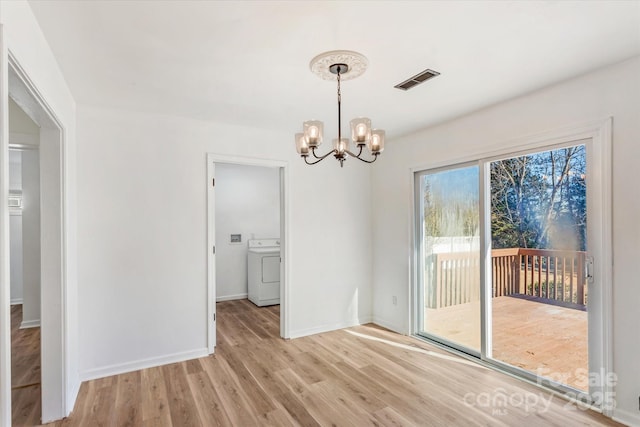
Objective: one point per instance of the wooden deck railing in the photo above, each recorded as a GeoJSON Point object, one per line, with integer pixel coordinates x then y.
{"type": "Point", "coordinates": [457, 278]}
{"type": "Point", "coordinates": [549, 275]}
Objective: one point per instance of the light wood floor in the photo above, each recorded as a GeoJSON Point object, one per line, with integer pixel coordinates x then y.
{"type": "Point", "coordinates": [25, 371]}
{"type": "Point", "coordinates": [377, 378]}
{"type": "Point", "coordinates": [531, 335]}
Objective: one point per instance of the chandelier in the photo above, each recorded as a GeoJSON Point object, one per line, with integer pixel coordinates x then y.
{"type": "Point", "coordinates": [340, 65]}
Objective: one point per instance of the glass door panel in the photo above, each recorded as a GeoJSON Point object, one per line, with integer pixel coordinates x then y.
{"type": "Point", "coordinates": [449, 256]}
{"type": "Point", "coordinates": [538, 255]}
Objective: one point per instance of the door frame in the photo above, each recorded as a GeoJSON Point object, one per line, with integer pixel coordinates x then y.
{"type": "Point", "coordinates": [58, 389]}
{"type": "Point", "coordinates": [599, 164]}
{"type": "Point", "coordinates": [285, 233]}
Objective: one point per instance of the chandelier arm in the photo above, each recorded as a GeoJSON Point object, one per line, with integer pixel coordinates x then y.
{"type": "Point", "coordinates": [312, 163]}
{"type": "Point", "coordinates": [375, 156]}
{"type": "Point", "coordinates": [353, 155]}
{"type": "Point", "coordinates": [313, 151]}
{"type": "Point", "coordinates": [320, 158]}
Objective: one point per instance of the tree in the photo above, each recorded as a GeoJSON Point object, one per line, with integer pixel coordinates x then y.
{"type": "Point", "coordinates": [447, 214]}
{"type": "Point", "coordinates": [539, 200]}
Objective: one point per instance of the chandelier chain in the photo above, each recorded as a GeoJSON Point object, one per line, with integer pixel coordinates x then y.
{"type": "Point", "coordinates": [339, 112]}
{"type": "Point", "coordinates": [338, 78]}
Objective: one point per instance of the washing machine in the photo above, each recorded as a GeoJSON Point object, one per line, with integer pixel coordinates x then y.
{"type": "Point", "coordinates": [263, 271]}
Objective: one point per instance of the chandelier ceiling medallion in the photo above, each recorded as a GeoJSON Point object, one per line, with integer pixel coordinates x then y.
{"type": "Point", "coordinates": [340, 65]}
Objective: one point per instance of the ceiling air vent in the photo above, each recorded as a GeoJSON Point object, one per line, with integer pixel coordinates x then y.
{"type": "Point", "coordinates": [417, 79]}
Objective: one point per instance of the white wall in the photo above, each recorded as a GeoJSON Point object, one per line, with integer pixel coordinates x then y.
{"type": "Point", "coordinates": [20, 125]}
{"type": "Point", "coordinates": [142, 228]}
{"type": "Point", "coordinates": [15, 170]}
{"type": "Point", "coordinates": [31, 278]}
{"type": "Point", "coordinates": [247, 203]}
{"type": "Point", "coordinates": [15, 228]}
{"type": "Point", "coordinates": [26, 251]}
{"type": "Point", "coordinates": [613, 91]}
{"type": "Point", "coordinates": [25, 235]}
{"type": "Point", "coordinates": [23, 131]}
{"type": "Point", "coordinates": [24, 39]}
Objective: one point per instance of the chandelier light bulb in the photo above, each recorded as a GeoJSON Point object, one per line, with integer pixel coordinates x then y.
{"type": "Point", "coordinates": [341, 145]}
{"type": "Point", "coordinates": [313, 132]}
{"type": "Point", "coordinates": [376, 144]}
{"type": "Point", "coordinates": [360, 130]}
{"type": "Point", "coordinates": [301, 144]}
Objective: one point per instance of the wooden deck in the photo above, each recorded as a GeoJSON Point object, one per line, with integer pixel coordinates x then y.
{"type": "Point", "coordinates": [531, 335]}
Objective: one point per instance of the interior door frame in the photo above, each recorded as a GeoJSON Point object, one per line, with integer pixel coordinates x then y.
{"type": "Point", "coordinates": [285, 232]}
{"type": "Point", "coordinates": [57, 383]}
{"type": "Point", "coordinates": [600, 314]}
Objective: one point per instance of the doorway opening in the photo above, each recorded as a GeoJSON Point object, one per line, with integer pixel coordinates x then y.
{"type": "Point", "coordinates": [247, 229]}
{"type": "Point", "coordinates": [50, 269]}
{"type": "Point", "coordinates": [507, 261]}
{"type": "Point", "coordinates": [24, 253]}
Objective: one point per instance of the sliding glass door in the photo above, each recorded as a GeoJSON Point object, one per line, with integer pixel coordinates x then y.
{"type": "Point", "coordinates": [448, 204]}
{"type": "Point", "coordinates": [538, 257]}
{"type": "Point", "coordinates": [502, 263]}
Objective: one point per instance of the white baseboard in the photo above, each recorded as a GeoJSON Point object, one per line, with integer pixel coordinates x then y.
{"type": "Point", "coordinates": [30, 324]}
{"type": "Point", "coordinates": [626, 417]}
{"type": "Point", "coordinates": [231, 297]}
{"type": "Point", "coordinates": [330, 327]}
{"type": "Point", "coordinates": [72, 395]}
{"type": "Point", "coordinates": [152, 362]}
{"type": "Point", "coordinates": [365, 320]}
{"type": "Point", "coordinates": [16, 301]}
{"type": "Point", "coordinates": [386, 324]}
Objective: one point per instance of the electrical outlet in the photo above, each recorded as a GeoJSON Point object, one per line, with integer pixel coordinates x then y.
{"type": "Point", "coordinates": [395, 300]}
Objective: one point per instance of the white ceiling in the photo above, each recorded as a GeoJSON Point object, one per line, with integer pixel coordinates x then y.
{"type": "Point", "coordinates": [247, 62]}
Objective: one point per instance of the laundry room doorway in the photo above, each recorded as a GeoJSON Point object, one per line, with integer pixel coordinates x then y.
{"type": "Point", "coordinates": [39, 376]}
{"type": "Point", "coordinates": [247, 227]}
